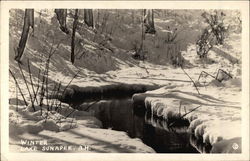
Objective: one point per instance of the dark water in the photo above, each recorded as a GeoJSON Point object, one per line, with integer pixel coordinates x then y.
{"type": "Point", "coordinates": [121, 115]}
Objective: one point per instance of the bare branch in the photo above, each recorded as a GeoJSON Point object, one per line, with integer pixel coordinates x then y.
{"type": "Point", "coordinates": [18, 87]}
{"type": "Point", "coordinates": [31, 81]}
{"type": "Point", "coordinates": [70, 81]}
{"type": "Point", "coordinates": [191, 80]}
{"type": "Point", "coordinates": [26, 83]}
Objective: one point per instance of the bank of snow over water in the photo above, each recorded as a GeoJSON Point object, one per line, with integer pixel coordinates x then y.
{"type": "Point", "coordinates": [217, 115]}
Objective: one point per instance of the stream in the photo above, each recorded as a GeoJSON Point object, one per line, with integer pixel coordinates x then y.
{"type": "Point", "coordinates": [121, 115]}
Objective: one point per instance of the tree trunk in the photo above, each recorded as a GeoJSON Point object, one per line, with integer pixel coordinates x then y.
{"type": "Point", "coordinates": [133, 16]}
{"type": "Point", "coordinates": [97, 24]}
{"type": "Point", "coordinates": [88, 17]}
{"type": "Point", "coordinates": [73, 37]}
{"type": "Point", "coordinates": [149, 21]}
{"type": "Point", "coordinates": [61, 17]}
{"type": "Point", "coordinates": [143, 35]}
{"type": "Point", "coordinates": [28, 21]}
{"type": "Point", "coordinates": [104, 21]}
{"type": "Point", "coordinates": [152, 19]}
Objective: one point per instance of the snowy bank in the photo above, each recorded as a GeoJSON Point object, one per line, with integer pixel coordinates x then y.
{"type": "Point", "coordinates": [74, 93]}
{"type": "Point", "coordinates": [213, 115]}
{"type": "Point", "coordinates": [66, 130]}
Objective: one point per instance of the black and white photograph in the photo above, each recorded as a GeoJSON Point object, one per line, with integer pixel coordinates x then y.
{"type": "Point", "coordinates": [125, 80]}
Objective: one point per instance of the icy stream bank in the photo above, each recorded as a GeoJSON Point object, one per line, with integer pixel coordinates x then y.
{"type": "Point", "coordinates": [78, 95]}
{"type": "Point", "coordinates": [214, 120]}
{"type": "Point", "coordinates": [121, 115]}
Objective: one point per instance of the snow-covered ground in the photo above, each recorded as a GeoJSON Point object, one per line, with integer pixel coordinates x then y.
{"type": "Point", "coordinates": [78, 132]}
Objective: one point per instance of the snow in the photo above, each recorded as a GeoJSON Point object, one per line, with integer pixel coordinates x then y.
{"type": "Point", "coordinates": [102, 70]}
{"type": "Point", "coordinates": [216, 119]}
{"type": "Point", "coordinates": [81, 130]}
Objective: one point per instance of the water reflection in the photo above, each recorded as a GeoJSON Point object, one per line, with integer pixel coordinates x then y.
{"type": "Point", "coordinates": [122, 116]}
{"type": "Point", "coordinates": [200, 145]}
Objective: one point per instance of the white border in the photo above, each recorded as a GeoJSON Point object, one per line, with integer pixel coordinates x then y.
{"type": "Point", "coordinates": [6, 5]}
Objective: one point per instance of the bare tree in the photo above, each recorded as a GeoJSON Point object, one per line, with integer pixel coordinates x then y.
{"type": "Point", "coordinates": [97, 25]}
{"type": "Point", "coordinates": [117, 22]}
{"type": "Point", "coordinates": [61, 17]}
{"type": "Point", "coordinates": [149, 21]}
{"type": "Point", "coordinates": [88, 17]}
{"type": "Point", "coordinates": [139, 50]}
{"type": "Point", "coordinates": [133, 15]}
{"type": "Point", "coordinates": [73, 37]}
{"type": "Point", "coordinates": [28, 21]}
{"type": "Point", "coordinates": [104, 21]}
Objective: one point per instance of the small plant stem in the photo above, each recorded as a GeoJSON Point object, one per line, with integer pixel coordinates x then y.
{"type": "Point", "coordinates": [31, 81]}
{"type": "Point", "coordinates": [70, 81]}
{"type": "Point", "coordinates": [180, 109]}
{"type": "Point", "coordinates": [55, 93]}
{"type": "Point", "coordinates": [26, 83]}
{"type": "Point", "coordinates": [190, 111]}
{"type": "Point", "coordinates": [16, 98]}
{"type": "Point", "coordinates": [38, 85]}
{"type": "Point", "coordinates": [42, 89]}
{"type": "Point", "coordinates": [191, 80]}
{"type": "Point", "coordinates": [205, 73]}
{"type": "Point", "coordinates": [18, 87]}
{"type": "Point", "coordinates": [70, 113]}
{"type": "Point", "coordinates": [170, 125]}
{"type": "Point", "coordinates": [47, 89]}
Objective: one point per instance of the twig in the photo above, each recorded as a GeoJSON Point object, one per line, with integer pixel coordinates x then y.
{"type": "Point", "coordinates": [53, 94]}
{"type": "Point", "coordinates": [47, 73]}
{"type": "Point", "coordinates": [83, 53]}
{"type": "Point", "coordinates": [191, 80]}
{"type": "Point", "coordinates": [90, 106]}
{"type": "Point", "coordinates": [42, 89]}
{"type": "Point", "coordinates": [16, 98]}
{"type": "Point", "coordinates": [190, 111]}
{"type": "Point", "coordinates": [31, 81]}
{"type": "Point", "coordinates": [58, 89]}
{"type": "Point", "coordinates": [18, 87]}
{"type": "Point", "coordinates": [56, 94]}
{"type": "Point", "coordinates": [42, 85]}
{"type": "Point", "coordinates": [25, 81]}
{"type": "Point", "coordinates": [45, 79]}
{"type": "Point", "coordinates": [57, 109]}
{"type": "Point", "coordinates": [185, 109]}
{"type": "Point", "coordinates": [70, 113]}
{"type": "Point", "coordinates": [38, 84]}
{"type": "Point", "coordinates": [180, 109]}
{"type": "Point", "coordinates": [223, 72]}
{"type": "Point", "coordinates": [47, 89]}
{"type": "Point", "coordinates": [60, 105]}
{"type": "Point", "coordinates": [51, 53]}
{"type": "Point", "coordinates": [72, 122]}
{"type": "Point", "coordinates": [56, 48]}
{"type": "Point", "coordinates": [70, 81]}
{"type": "Point", "coordinates": [201, 74]}
{"type": "Point", "coordinates": [185, 115]}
